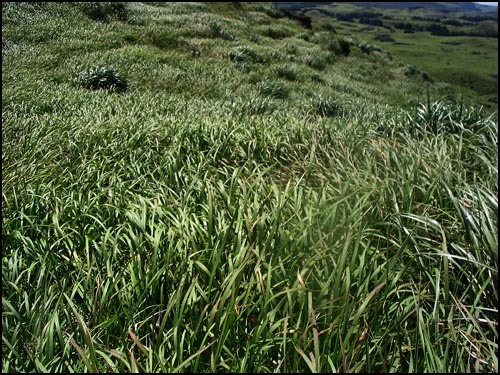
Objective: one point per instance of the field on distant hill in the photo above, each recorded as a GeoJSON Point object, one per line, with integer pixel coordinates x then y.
{"type": "Point", "coordinates": [452, 45]}
{"type": "Point", "coordinates": [224, 187]}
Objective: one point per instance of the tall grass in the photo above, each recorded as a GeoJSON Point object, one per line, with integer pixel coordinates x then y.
{"type": "Point", "coordinates": [154, 232]}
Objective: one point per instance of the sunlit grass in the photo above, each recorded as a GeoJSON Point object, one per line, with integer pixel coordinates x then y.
{"type": "Point", "coordinates": [159, 231]}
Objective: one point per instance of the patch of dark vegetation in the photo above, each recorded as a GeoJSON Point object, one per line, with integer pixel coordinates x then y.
{"type": "Point", "coordinates": [439, 29]}
{"type": "Point", "coordinates": [455, 23]}
{"type": "Point", "coordinates": [301, 18]}
{"type": "Point", "coordinates": [426, 77]}
{"type": "Point", "coordinates": [317, 61]}
{"type": "Point", "coordinates": [304, 36]}
{"type": "Point", "coordinates": [289, 73]}
{"type": "Point", "coordinates": [368, 48]}
{"type": "Point", "coordinates": [105, 11]}
{"type": "Point", "coordinates": [325, 106]}
{"type": "Point", "coordinates": [246, 54]}
{"type": "Point", "coordinates": [408, 27]}
{"type": "Point", "coordinates": [480, 18]}
{"type": "Point", "coordinates": [274, 89]}
{"type": "Point", "coordinates": [275, 33]}
{"type": "Point", "coordinates": [217, 30]}
{"type": "Point", "coordinates": [340, 46]}
{"type": "Point", "coordinates": [385, 38]}
{"type": "Point", "coordinates": [165, 38]}
{"type": "Point", "coordinates": [344, 18]}
{"type": "Point", "coordinates": [371, 21]}
{"type": "Point", "coordinates": [102, 77]}
{"type": "Point", "coordinates": [328, 26]}
{"type": "Point", "coordinates": [411, 71]}
{"type": "Point", "coordinates": [452, 43]}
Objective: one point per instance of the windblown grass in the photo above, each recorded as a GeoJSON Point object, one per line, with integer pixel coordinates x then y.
{"type": "Point", "coordinates": [154, 232]}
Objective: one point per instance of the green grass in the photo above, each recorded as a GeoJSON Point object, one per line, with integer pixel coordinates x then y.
{"type": "Point", "coordinates": [215, 216]}
{"type": "Point", "coordinates": [468, 64]}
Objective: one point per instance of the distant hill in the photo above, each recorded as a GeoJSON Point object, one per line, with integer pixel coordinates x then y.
{"type": "Point", "coordinates": [460, 39]}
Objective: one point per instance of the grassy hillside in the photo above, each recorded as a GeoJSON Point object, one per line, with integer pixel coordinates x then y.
{"type": "Point", "coordinates": [212, 187]}
{"type": "Point", "coordinates": [447, 41]}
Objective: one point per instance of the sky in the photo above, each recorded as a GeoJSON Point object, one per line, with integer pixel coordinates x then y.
{"type": "Point", "coordinates": [488, 3]}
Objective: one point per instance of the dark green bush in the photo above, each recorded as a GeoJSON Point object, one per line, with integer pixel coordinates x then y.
{"type": "Point", "coordinates": [166, 38]}
{"type": "Point", "coordinates": [317, 61]}
{"type": "Point", "coordinates": [273, 12]}
{"type": "Point", "coordinates": [286, 72]}
{"type": "Point", "coordinates": [254, 38]}
{"type": "Point", "coordinates": [275, 33]}
{"type": "Point", "coordinates": [385, 38]}
{"type": "Point", "coordinates": [315, 77]}
{"type": "Point", "coordinates": [340, 46]}
{"type": "Point", "coordinates": [102, 77]}
{"type": "Point", "coordinates": [274, 89]}
{"type": "Point", "coordinates": [291, 49]}
{"type": "Point", "coordinates": [426, 77]}
{"type": "Point", "coordinates": [217, 30]}
{"type": "Point", "coordinates": [449, 117]}
{"type": "Point", "coordinates": [324, 106]}
{"type": "Point", "coordinates": [411, 71]}
{"type": "Point", "coordinates": [105, 11]}
{"type": "Point", "coordinates": [327, 25]}
{"type": "Point", "coordinates": [246, 54]}
{"type": "Point", "coordinates": [304, 36]}
{"type": "Point", "coordinates": [367, 48]}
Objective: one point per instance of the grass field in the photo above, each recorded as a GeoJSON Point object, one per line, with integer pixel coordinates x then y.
{"type": "Point", "coordinates": [468, 63]}
{"type": "Point", "coordinates": [248, 198]}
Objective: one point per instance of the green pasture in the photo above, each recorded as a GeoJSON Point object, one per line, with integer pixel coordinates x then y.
{"type": "Point", "coordinates": [240, 194]}
{"type": "Point", "coordinates": [469, 64]}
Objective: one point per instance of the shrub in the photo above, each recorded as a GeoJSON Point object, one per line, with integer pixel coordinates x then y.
{"type": "Point", "coordinates": [165, 38]}
{"type": "Point", "coordinates": [246, 54]}
{"type": "Point", "coordinates": [254, 38]}
{"type": "Point", "coordinates": [367, 48]}
{"type": "Point", "coordinates": [291, 49]}
{"type": "Point", "coordinates": [274, 89]}
{"type": "Point", "coordinates": [275, 33]}
{"type": "Point", "coordinates": [426, 77]}
{"type": "Point", "coordinates": [105, 11]}
{"type": "Point", "coordinates": [304, 36]}
{"type": "Point", "coordinates": [446, 117]}
{"type": "Point", "coordinates": [315, 77]}
{"type": "Point", "coordinates": [324, 106]}
{"type": "Point", "coordinates": [273, 12]}
{"type": "Point", "coordinates": [340, 46]}
{"type": "Point", "coordinates": [411, 71]}
{"type": "Point", "coordinates": [217, 30]}
{"type": "Point", "coordinates": [385, 38]}
{"type": "Point", "coordinates": [317, 61]}
{"type": "Point", "coordinates": [328, 26]}
{"type": "Point", "coordinates": [286, 72]}
{"type": "Point", "coordinates": [102, 77]}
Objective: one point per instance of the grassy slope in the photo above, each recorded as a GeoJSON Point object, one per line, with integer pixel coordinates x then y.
{"type": "Point", "coordinates": [469, 66]}
{"type": "Point", "coordinates": [278, 213]}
